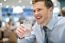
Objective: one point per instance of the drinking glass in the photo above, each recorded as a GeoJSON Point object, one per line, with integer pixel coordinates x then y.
{"type": "Point", "coordinates": [28, 26]}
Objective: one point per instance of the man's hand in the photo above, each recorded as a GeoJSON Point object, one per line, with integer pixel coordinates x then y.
{"type": "Point", "coordinates": [20, 31]}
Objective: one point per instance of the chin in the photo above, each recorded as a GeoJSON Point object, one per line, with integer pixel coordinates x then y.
{"type": "Point", "coordinates": [38, 22]}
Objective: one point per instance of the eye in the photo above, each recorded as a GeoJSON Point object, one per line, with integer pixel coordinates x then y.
{"type": "Point", "coordinates": [39, 10]}
{"type": "Point", "coordinates": [33, 10]}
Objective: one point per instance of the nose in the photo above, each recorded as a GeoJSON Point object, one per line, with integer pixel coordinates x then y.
{"type": "Point", "coordinates": [36, 13]}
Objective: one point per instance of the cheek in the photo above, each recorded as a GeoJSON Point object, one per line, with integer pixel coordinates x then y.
{"type": "Point", "coordinates": [45, 16]}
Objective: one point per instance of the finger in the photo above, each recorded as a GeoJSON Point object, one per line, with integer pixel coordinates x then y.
{"type": "Point", "coordinates": [19, 34]}
{"type": "Point", "coordinates": [22, 27]}
{"type": "Point", "coordinates": [21, 31]}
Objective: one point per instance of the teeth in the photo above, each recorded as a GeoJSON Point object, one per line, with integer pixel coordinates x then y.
{"type": "Point", "coordinates": [38, 17]}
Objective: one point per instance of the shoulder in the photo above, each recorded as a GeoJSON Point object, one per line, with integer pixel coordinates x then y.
{"type": "Point", "coordinates": [61, 22]}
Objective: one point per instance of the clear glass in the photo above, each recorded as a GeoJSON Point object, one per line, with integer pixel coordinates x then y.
{"type": "Point", "coordinates": [28, 26]}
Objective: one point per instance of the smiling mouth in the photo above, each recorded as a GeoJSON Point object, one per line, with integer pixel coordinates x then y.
{"type": "Point", "coordinates": [39, 17]}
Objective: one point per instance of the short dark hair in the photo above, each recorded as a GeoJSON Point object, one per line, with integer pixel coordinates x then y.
{"type": "Point", "coordinates": [48, 3]}
{"type": "Point", "coordinates": [63, 11]}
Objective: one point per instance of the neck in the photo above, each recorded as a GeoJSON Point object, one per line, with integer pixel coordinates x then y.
{"type": "Point", "coordinates": [45, 23]}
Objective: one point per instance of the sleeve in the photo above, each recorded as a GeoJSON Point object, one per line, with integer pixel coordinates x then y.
{"type": "Point", "coordinates": [30, 39]}
{"type": "Point", "coordinates": [62, 40]}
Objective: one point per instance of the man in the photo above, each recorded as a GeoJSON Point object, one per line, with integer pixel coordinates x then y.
{"type": "Point", "coordinates": [63, 11]}
{"type": "Point", "coordinates": [43, 10]}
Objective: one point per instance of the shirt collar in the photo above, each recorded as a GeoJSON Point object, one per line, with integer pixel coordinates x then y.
{"type": "Point", "coordinates": [52, 23]}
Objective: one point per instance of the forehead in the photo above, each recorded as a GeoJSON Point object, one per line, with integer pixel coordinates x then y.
{"type": "Point", "coordinates": [39, 4]}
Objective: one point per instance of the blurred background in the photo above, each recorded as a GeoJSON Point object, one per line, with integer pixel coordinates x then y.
{"type": "Point", "coordinates": [13, 12]}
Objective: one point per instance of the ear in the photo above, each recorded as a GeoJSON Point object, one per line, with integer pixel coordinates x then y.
{"type": "Point", "coordinates": [50, 10]}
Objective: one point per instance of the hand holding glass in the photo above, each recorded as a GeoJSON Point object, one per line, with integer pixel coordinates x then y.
{"type": "Point", "coordinates": [24, 30]}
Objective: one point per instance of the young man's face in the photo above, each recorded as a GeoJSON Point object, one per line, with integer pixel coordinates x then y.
{"type": "Point", "coordinates": [41, 12]}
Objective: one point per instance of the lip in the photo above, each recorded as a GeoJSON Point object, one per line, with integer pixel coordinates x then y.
{"type": "Point", "coordinates": [38, 17]}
